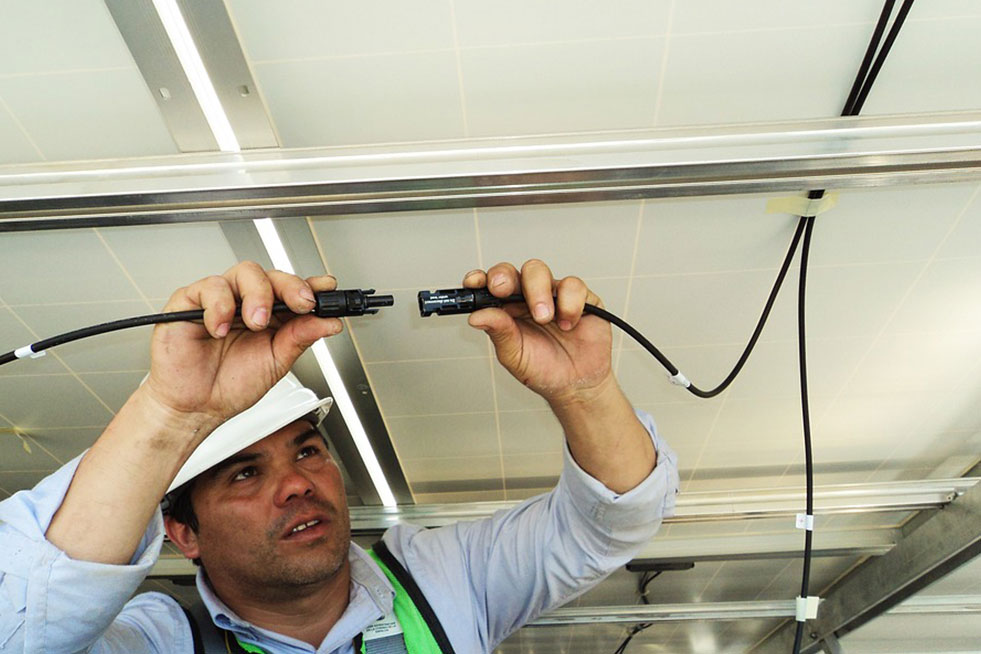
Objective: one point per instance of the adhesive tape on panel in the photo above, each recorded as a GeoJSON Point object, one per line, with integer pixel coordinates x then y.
{"type": "Point", "coordinates": [801, 206]}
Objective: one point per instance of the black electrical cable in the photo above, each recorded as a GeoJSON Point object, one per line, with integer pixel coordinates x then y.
{"type": "Point", "coordinates": [329, 304]}
{"type": "Point", "coordinates": [806, 419]}
{"type": "Point", "coordinates": [645, 581]}
{"type": "Point", "coordinates": [877, 66]}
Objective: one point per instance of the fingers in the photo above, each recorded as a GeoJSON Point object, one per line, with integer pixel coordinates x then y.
{"type": "Point", "coordinates": [255, 290]}
{"type": "Point", "coordinates": [546, 298]}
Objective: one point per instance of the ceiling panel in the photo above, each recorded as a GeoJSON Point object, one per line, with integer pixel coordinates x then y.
{"type": "Point", "coordinates": [64, 444]}
{"type": "Point", "coordinates": [449, 435]}
{"type": "Point", "coordinates": [88, 114]}
{"type": "Point", "coordinates": [915, 633]}
{"type": "Point", "coordinates": [514, 22]}
{"type": "Point", "coordinates": [65, 403]}
{"type": "Point", "coordinates": [309, 29]}
{"type": "Point", "coordinates": [428, 387]}
{"type": "Point", "coordinates": [561, 87]}
{"type": "Point", "coordinates": [15, 144]}
{"type": "Point", "coordinates": [372, 99]}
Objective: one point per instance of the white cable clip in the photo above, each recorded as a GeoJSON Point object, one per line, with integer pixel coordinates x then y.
{"type": "Point", "coordinates": [807, 607]}
{"type": "Point", "coordinates": [26, 351]}
{"type": "Point", "coordinates": [805, 521]}
{"type": "Point", "coordinates": [679, 380]}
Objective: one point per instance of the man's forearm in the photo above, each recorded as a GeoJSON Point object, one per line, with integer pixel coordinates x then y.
{"type": "Point", "coordinates": [121, 480]}
{"type": "Point", "coordinates": [605, 437]}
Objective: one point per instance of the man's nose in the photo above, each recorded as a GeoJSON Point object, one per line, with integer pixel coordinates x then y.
{"type": "Point", "coordinates": [292, 483]}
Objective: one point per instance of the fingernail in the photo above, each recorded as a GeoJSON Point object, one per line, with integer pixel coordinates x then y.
{"type": "Point", "coordinates": [565, 325]}
{"type": "Point", "coordinates": [541, 311]}
{"type": "Point", "coordinates": [222, 330]}
{"type": "Point", "coordinates": [260, 316]}
{"type": "Point", "coordinates": [307, 294]}
{"type": "Point", "coordinates": [471, 274]}
{"type": "Point", "coordinates": [498, 280]}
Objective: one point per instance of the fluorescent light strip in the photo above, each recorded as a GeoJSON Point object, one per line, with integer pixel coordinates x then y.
{"type": "Point", "coordinates": [274, 246]}
{"type": "Point", "coordinates": [204, 91]}
{"type": "Point", "coordinates": [197, 75]}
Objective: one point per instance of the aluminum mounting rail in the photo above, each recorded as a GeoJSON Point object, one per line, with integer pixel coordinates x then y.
{"type": "Point", "coordinates": [837, 153]}
{"type": "Point", "coordinates": [711, 506]}
{"type": "Point", "coordinates": [919, 605]}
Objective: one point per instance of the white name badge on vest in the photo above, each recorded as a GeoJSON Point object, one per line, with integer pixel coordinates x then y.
{"type": "Point", "coordinates": [384, 636]}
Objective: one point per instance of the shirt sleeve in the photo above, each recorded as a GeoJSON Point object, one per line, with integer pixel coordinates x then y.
{"type": "Point", "coordinates": [50, 602]}
{"type": "Point", "coordinates": [537, 556]}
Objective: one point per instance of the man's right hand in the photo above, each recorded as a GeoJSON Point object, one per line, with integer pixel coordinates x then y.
{"type": "Point", "coordinates": [200, 375]}
{"type": "Point", "coordinates": [214, 370]}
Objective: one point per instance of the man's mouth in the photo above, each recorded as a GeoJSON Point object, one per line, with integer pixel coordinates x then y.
{"type": "Point", "coordinates": [307, 528]}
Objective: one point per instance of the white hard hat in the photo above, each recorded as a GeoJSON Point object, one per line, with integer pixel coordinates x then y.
{"type": "Point", "coordinates": [284, 403]}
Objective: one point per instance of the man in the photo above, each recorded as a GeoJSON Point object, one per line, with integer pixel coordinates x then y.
{"type": "Point", "coordinates": [270, 525]}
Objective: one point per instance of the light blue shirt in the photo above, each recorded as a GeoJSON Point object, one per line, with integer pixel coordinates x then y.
{"type": "Point", "coordinates": [484, 578]}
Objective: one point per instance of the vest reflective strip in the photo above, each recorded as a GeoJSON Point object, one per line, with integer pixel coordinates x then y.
{"type": "Point", "coordinates": [418, 637]}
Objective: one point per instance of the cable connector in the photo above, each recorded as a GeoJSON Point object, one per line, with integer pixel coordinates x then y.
{"type": "Point", "coordinates": [450, 301]}
{"type": "Point", "coordinates": [357, 302]}
{"type": "Point", "coordinates": [807, 607]}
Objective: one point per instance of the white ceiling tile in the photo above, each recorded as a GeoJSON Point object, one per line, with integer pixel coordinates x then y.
{"type": "Point", "coordinates": [59, 266]}
{"type": "Point", "coordinates": [712, 16]}
{"type": "Point", "coordinates": [915, 633]}
{"type": "Point", "coordinates": [427, 387]}
{"type": "Point", "coordinates": [705, 309]}
{"type": "Point", "coordinates": [564, 87]}
{"type": "Point", "coordinates": [585, 240]}
{"type": "Point", "coordinates": [928, 67]}
{"type": "Point", "coordinates": [613, 293]}
{"type": "Point", "coordinates": [127, 349]}
{"type": "Point", "coordinates": [773, 368]}
{"type": "Point", "coordinates": [114, 388]}
{"type": "Point", "coordinates": [89, 115]}
{"type": "Point", "coordinates": [712, 235]}
{"type": "Point", "coordinates": [946, 298]}
{"type": "Point", "coordinates": [894, 224]}
{"type": "Point", "coordinates": [163, 258]}
{"type": "Point", "coordinates": [15, 335]}
{"type": "Point", "coordinates": [453, 474]}
{"type": "Point", "coordinates": [51, 36]}
{"type": "Point", "coordinates": [912, 362]}
{"type": "Point", "coordinates": [401, 333]}
{"type": "Point", "coordinates": [964, 240]}
{"type": "Point", "coordinates": [49, 401]}
{"type": "Point", "coordinates": [531, 433]}
{"type": "Point", "coordinates": [460, 435]}
{"type": "Point", "coordinates": [517, 21]}
{"type": "Point", "coordinates": [844, 301]}
{"type": "Point", "coordinates": [16, 458]}
{"type": "Point", "coordinates": [401, 250]}
{"type": "Point", "coordinates": [15, 147]}
{"type": "Point", "coordinates": [870, 422]}
{"type": "Point", "coordinates": [378, 99]}
{"type": "Point", "coordinates": [66, 444]}
{"type": "Point", "coordinates": [524, 470]}
{"type": "Point", "coordinates": [760, 76]}
{"type": "Point", "coordinates": [310, 28]}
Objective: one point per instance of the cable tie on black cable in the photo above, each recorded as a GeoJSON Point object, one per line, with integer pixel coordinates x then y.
{"type": "Point", "coordinates": [679, 379]}
{"type": "Point", "coordinates": [27, 351]}
{"type": "Point", "coordinates": [805, 521]}
{"type": "Point", "coordinates": [807, 607]}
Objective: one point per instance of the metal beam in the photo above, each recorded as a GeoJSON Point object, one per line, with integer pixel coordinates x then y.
{"type": "Point", "coordinates": [941, 544]}
{"type": "Point", "coordinates": [835, 154]}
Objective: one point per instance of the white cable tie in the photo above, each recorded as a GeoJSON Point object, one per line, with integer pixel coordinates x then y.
{"type": "Point", "coordinates": [805, 521]}
{"type": "Point", "coordinates": [807, 608]}
{"type": "Point", "coordinates": [26, 351]}
{"type": "Point", "coordinates": [679, 380]}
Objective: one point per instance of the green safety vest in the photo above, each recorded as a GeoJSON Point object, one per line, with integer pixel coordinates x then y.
{"type": "Point", "coordinates": [421, 628]}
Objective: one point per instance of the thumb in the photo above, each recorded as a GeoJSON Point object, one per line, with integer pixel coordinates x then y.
{"type": "Point", "coordinates": [503, 332]}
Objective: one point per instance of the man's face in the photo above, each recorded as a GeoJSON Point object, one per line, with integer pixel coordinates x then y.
{"type": "Point", "coordinates": [274, 516]}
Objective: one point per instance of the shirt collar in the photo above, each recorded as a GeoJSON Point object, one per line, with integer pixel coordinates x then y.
{"type": "Point", "coordinates": [371, 595]}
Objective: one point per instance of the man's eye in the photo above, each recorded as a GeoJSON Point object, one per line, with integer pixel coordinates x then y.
{"type": "Point", "coordinates": [309, 450]}
{"type": "Point", "coordinates": [245, 473]}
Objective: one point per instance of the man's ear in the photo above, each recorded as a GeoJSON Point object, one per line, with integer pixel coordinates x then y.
{"type": "Point", "coordinates": [182, 536]}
